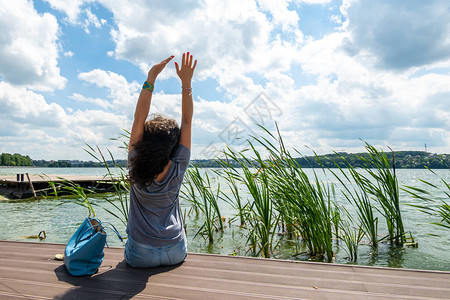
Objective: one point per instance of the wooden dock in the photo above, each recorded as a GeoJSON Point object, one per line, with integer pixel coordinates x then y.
{"type": "Point", "coordinates": [19, 187]}
{"type": "Point", "coordinates": [28, 270]}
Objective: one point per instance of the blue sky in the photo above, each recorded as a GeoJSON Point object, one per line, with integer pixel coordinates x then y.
{"type": "Point", "coordinates": [328, 72]}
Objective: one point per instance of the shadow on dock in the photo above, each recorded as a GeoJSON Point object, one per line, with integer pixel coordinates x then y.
{"type": "Point", "coordinates": [119, 282]}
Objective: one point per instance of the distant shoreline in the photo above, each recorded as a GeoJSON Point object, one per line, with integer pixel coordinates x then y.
{"type": "Point", "coordinates": [403, 160]}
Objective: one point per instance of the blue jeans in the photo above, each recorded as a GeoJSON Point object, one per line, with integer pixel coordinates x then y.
{"type": "Point", "coordinates": [140, 255]}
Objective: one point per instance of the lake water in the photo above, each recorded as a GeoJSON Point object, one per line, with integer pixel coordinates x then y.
{"type": "Point", "coordinates": [24, 218]}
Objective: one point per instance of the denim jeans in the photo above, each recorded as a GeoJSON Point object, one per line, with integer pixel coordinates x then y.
{"type": "Point", "coordinates": [145, 256]}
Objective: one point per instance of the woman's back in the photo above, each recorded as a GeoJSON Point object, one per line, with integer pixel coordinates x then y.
{"type": "Point", "coordinates": [154, 215]}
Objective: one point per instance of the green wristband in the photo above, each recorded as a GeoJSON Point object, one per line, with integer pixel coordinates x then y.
{"type": "Point", "coordinates": [148, 86]}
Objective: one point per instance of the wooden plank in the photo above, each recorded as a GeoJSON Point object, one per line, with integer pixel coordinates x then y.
{"type": "Point", "coordinates": [306, 280]}
{"type": "Point", "coordinates": [27, 270]}
{"type": "Point", "coordinates": [108, 289]}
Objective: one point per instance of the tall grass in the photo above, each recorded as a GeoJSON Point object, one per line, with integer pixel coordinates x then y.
{"type": "Point", "coordinates": [261, 217]}
{"type": "Point", "coordinates": [201, 194]}
{"type": "Point", "coordinates": [283, 195]}
{"type": "Point", "coordinates": [358, 196]}
{"type": "Point", "coordinates": [385, 190]}
{"type": "Point", "coordinates": [442, 210]}
{"type": "Point", "coordinates": [80, 195]}
{"type": "Point", "coordinates": [310, 199]}
{"type": "Point", "coordinates": [236, 200]}
{"type": "Point", "coordinates": [281, 191]}
{"type": "Point", "coordinates": [351, 235]}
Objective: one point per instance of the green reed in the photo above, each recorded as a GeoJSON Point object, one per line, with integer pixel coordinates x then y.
{"type": "Point", "coordinates": [351, 236]}
{"type": "Point", "coordinates": [261, 219]}
{"type": "Point", "coordinates": [79, 193]}
{"type": "Point", "coordinates": [236, 201]}
{"type": "Point", "coordinates": [286, 193]}
{"type": "Point", "coordinates": [357, 196]}
{"type": "Point", "coordinates": [385, 190]}
{"type": "Point", "coordinates": [200, 184]}
{"type": "Point", "coordinates": [311, 203]}
{"type": "Point", "coordinates": [442, 210]}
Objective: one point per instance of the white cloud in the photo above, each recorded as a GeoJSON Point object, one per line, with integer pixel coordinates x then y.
{"type": "Point", "coordinates": [71, 8]}
{"type": "Point", "coordinates": [22, 106]}
{"type": "Point", "coordinates": [49, 131]}
{"type": "Point", "coordinates": [281, 14]}
{"type": "Point", "coordinates": [225, 36]}
{"type": "Point", "coordinates": [91, 20]}
{"type": "Point", "coordinates": [100, 102]}
{"type": "Point", "coordinates": [96, 126]}
{"type": "Point", "coordinates": [26, 116]}
{"type": "Point", "coordinates": [122, 95]}
{"type": "Point", "coordinates": [29, 47]}
{"type": "Point", "coordinates": [351, 100]}
{"type": "Point", "coordinates": [399, 35]}
{"type": "Point", "coordinates": [76, 15]}
{"type": "Point", "coordinates": [314, 1]}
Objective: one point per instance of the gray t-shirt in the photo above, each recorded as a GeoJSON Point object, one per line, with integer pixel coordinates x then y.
{"type": "Point", "coordinates": [154, 216]}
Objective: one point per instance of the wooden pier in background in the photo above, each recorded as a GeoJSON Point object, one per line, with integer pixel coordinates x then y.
{"type": "Point", "coordinates": [28, 270]}
{"type": "Point", "coordinates": [21, 186]}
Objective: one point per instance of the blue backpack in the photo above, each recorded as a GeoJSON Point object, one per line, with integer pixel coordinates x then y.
{"type": "Point", "coordinates": [84, 251]}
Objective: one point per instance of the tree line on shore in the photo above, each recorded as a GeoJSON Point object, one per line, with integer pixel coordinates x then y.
{"type": "Point", "coordinates": [15, 159]}
{"type": "Point", "coordinates": [18, 160]}
{"type": "Point", "coordinates": [403, 159]}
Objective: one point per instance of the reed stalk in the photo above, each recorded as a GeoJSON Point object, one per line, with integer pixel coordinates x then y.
{"type": "Point", "coordinates": [357, 196]}
{"type": "Point", "coordinates": [351, 236]}
{"type": "Point", "coordinates": [75, 190]}
{"type": "Point", "coordinates": [442, 209]}
{"type": "Point", "coordinates": [261, 219]}
{"type": "Point", "coordinates": [235, 201]}
{"type": "Point", "coordinates": [286, 188]}
{"type": "Point", "coordinates": [207, 202]}
{"type": "Point", "coordinates": [385, 190]}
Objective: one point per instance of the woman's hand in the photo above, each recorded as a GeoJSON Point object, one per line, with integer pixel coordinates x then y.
{"type": "Point", "coordinates": [186, 70]}
{"type": "Point", "coordinates": [156, 69]}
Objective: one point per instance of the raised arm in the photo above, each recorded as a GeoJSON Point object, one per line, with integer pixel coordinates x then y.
{"type": "Point", "coordinates": [144, 101]}
{"type": "Point", "coordinates": [185, 72]}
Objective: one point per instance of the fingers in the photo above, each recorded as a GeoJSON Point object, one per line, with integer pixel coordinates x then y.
{"type": "Point", "coordinates": [186, 61]}
{"type": "Point", "coordinates": [168, 59]}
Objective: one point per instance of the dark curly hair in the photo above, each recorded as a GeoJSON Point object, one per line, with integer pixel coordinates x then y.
{"type": "Point", "coordinates": [152, 153]}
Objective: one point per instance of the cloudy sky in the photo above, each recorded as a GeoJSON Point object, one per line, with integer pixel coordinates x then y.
{"type": "Point", "coordinates": [329, 72]}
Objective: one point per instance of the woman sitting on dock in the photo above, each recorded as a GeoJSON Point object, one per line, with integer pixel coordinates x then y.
{"type": "Point", "coordinates": [159, 153]}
